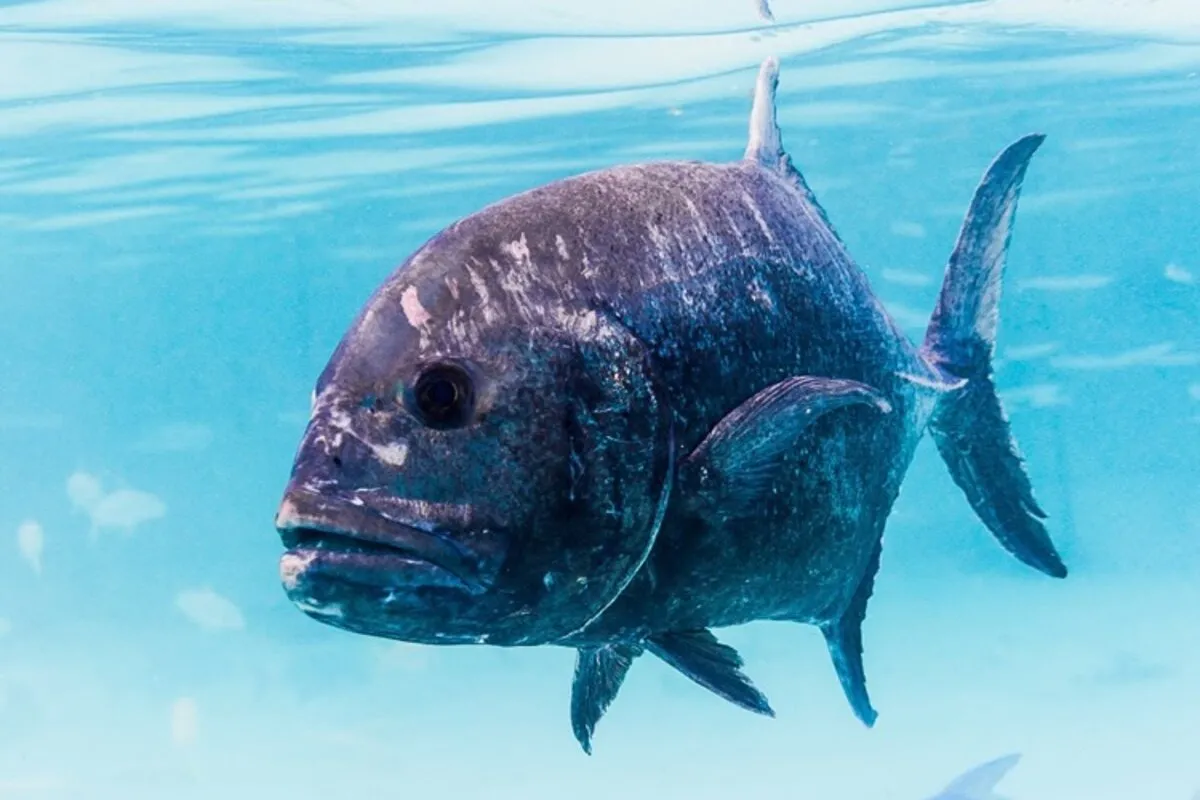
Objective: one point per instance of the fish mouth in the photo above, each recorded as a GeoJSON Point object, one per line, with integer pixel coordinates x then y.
{"type": "Point", "coordinates": [346, 540]}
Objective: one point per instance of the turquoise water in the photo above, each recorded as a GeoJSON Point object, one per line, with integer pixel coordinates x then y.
{"type": "Point", "coordinates": [198, 195]}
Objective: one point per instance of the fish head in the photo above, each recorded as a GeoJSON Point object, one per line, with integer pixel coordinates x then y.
{"type": "Point", "coordinates": [476, 468]}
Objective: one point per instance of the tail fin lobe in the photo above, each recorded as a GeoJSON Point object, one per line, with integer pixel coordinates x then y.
{"type": "Point", "coordinates": [969, 425]}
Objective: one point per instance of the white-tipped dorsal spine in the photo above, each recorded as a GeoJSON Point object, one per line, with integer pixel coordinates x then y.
{"type": "Point", "coordinates": [766, 144]}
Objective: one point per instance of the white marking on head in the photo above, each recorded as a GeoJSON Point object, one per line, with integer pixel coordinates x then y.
{"type": "Point", "coordinates": [485, 308]}
{"type": "Point", "coordinates": [342, 425]}
{"type": "Point", "coordinates": [413, 310]}
{"type": "Point", "coordinates": [394, 454]}
{"type": "Point", "coordinates": [292, 567]}
{"type": "Point", "coordinates": [518, 250]}
{"type": "Point", "coordinates": [479, 285]}
{"type": "Point", "coordinates": [312, 607]}
{"type": "Point", "coordinates": [561, 244]}
{"type": "Point", "coordinates": [517, 280]}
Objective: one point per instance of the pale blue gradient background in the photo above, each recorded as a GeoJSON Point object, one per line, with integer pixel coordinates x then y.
{"type": "Point", "coordinates": [195, 198]}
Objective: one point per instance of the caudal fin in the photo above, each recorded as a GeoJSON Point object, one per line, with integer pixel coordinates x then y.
{"type": "Point", "coordinates": [969, 424]}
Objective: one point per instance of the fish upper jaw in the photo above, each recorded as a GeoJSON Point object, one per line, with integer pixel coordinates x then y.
{"type": "Point", "coordinates": [360, 538]}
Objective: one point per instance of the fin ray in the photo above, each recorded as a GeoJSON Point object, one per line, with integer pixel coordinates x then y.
{"type": "Point", "coordinates": [765, 143]}
{"type": "Point", "coordinates": [844, 640]}
{"type": "Point", "coordinates": [969, 425]}
{"type": "Point", "coordinates": [734, 464]}
{"type": "Point", "coordinates": [599, 673]}
{"type": "Point", "coordinates": [715, 666]}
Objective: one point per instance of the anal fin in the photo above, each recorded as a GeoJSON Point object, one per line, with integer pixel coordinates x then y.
{"type": "Point", "coordinates": [599, 673]}
{"type": "Point", "coordinates": [715, 666]}
{"type": "Point", "coordinates": [844, 639]}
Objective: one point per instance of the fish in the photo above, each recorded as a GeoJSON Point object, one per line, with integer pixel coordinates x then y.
{"type": "Point", "coordinates": [979, 783]}
{"type": "Point", "coordinates": [625, 408]}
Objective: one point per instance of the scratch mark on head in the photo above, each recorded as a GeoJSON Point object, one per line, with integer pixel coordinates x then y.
{"type": "Point", "coordinates": [518, 250]}
{"type": "Point", "coordinates": [413, 310]}
{"type": "Point", "coordinates": [758, 216]}
{"type": "Point", "coordinates": [311, 607]}
{"type": "Point", "coordinates": [760, 295]}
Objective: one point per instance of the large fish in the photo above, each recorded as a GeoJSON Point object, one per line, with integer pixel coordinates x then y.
{"type": "Point", "coordinates": [620, 410]}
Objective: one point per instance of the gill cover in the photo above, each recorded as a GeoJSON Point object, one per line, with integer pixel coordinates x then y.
{"type": "Point", "coordinates": [620, 470]}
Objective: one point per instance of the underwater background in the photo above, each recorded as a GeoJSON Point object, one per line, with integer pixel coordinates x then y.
{"type": "Point", "coordinates": [196, 196]}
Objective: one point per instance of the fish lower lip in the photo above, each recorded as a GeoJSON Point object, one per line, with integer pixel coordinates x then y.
{"type": "Point", "coordinates": [375, 563]}
{"type": "Point", "coordinates": [335, 541]}
{"type": "Point", "coordinates": [394, 571]}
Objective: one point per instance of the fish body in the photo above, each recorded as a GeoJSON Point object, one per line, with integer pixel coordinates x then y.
{"type": "Point", "coordinates": [730, 295]}
{"type": "Point", "coordinates": [620, 410]}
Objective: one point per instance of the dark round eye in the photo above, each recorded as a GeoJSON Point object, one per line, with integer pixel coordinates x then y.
{"type": "Point", "coordinates": [443, 396]}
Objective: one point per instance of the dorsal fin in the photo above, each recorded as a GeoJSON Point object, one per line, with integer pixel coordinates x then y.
{"type": "Point", "coordinates": [765, 146]}
{"type": "Point", "coordinates": [766, 143]}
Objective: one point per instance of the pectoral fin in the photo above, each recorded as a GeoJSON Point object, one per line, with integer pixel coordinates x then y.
{"type": "Point", "coordinates": [715, 666]}
{"type": "Point", "coordinates": [599, 673]}
{"type": "Point", "coordinates": [733, 467]}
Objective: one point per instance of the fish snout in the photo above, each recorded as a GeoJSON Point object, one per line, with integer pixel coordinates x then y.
{"type": "Point", "coordinates": [333, 449]}
{"type": "Point", "coordinates": [390, 534]}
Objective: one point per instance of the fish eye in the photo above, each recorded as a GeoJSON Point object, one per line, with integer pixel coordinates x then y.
{"type": "Point", "coordinates": [442, 397]}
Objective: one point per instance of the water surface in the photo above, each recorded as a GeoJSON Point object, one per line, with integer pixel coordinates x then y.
{"type": "Point", "coordinates": [198, 195]}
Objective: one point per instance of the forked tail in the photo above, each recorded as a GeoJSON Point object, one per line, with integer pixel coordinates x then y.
{"type": "Point", "coordinates": [969, 424]}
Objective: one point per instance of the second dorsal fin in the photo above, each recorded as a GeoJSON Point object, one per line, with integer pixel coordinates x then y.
{"type": "Point", "coordinates": [765, 145]}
